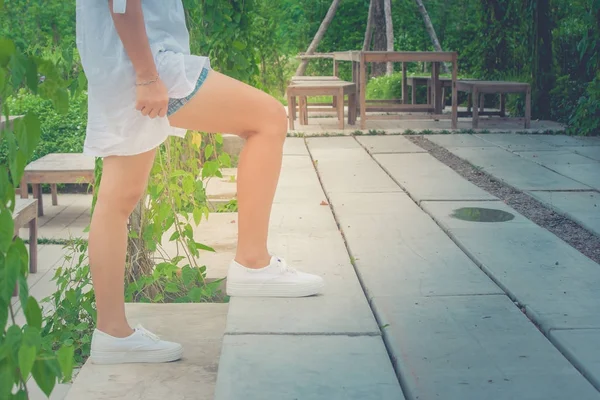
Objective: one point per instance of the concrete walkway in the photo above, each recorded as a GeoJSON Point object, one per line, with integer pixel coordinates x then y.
{"type": "Point", "coordinates": [418, 304]}
{"type": "Point", "coordinates": [560, 171]}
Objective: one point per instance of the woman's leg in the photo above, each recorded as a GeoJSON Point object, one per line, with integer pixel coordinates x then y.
{"type": "Point", "coordinates": [124, 180]}
{"type": "Point", "coordinates": [226, 105]}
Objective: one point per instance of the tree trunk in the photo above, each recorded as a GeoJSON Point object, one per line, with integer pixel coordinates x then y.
{"type": "Point", "coordinates": [379, 36]}
{"type": "Point", "coordinates": [389, 33]}
{"type": "Point", "coordinates": [430, 30]}
{"type": "Point", "coordinates": [542, 59]}
{"type": "Point", "coordinates": [319, 36]}
{"type": "Point", "coordinates": [369, 30]}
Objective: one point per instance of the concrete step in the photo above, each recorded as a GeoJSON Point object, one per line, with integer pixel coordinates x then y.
{"type": "Point", "coordinates": [198, 327]}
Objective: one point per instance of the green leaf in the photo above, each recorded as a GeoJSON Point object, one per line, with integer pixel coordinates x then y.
{"type": "Point", "coordinates": [225, 160]}
{"type": "Point", "coordinates": [188, 184]}
{"type": "Point", "coordinates": [26, 359]}
{"type": "Point", "coordinates": [208, 151]}
{"type": "Point", "coordinates": [32, 336]}
{"type": "Point", "coordinates": [2, 79]}
{"type": "Point", "coordinates": [239, 45]}
{"type": "Point", "coordinates": [33, 313]}
{"type": "Point", "coordinates": [7, 49]}
{"type": "Point", "coordinates": [197, 215]}
{"type": "Point", "coordinates": [44, 376]}
{"type": "Point", "coordinates": [31, 75]}
{"type": "Point", "coordinates": [17, 166]}
{"type": "Point", "coordinates": [23, 290]}
{"type": "Point", "coordinates": [65, 356]}
{"type": "Point", "coordinates": [3, 315]}
{"type": "Point", "coordinates": [33, 133]}
{"type": "Point", "coordinates": [21, 394]}
{"type": "Point", "coordinates": [4, 182]}
{"type": "Point", "coordinates": [171, 287]}
{"type": "Point", "coordinates": [174, 236]}
{"type": "Point", "coordinates": [6, 380]}
{"type": "Point", "coordinates": [219, 138]}
{"type": "Point", "coordinates": [7, 230]}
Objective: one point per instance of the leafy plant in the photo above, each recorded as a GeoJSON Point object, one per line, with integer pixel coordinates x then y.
{"type": "Point", "coordinates": [73, 310]}
{"type": "Point", "coordinates": [22, 353]}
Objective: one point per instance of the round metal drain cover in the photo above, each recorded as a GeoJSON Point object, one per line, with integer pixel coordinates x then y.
{"type": "Point", "coordinates": [478, 214]}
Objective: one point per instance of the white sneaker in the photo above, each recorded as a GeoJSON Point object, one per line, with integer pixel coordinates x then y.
{"type": "Point", "coordinates": [141, 347]}
{"type": "Point", "coordinates": [275, 280]}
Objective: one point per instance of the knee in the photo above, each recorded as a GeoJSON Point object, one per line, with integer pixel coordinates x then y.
{"type": "Point", "coordinates": [121, 203]}
{"type": "Point", "coordinates": [275, 121]}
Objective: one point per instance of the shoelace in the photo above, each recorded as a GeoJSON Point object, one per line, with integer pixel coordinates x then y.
{"type": "Point", "coordinates": [285, 267]}
{"type": "Point", "coordinates": [147, 333]}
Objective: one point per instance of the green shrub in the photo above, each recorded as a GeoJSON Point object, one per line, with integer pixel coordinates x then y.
{"type": "Point", "coordinates": [61, 133]}
{"type": "Point", "coordinates": [586, 117]}
{"type": "Point", "coordinates": [385, 87]}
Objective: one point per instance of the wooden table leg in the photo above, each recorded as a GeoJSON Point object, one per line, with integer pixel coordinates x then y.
{"type": "Point", "coordinates": [435, 90]}
{"type": "Point", "coordinates": [454, 93]}
{"type": "Point", "coordinates": [24, 189]}
{"type": "Point", "coordinates": [357, 82]}
{"type": "Point", "coordinates": [405, 86]}
{"type": "Point", "coordinates": [414, 92]}
{"type": "Point", "coordinates": [352, 109]}
{"type": "Point", "coordinates": [303, 110]}
{"type": "Point", "coordinates": [362, 94]}
{"type": "Point", "coordinates": [33, 238]}
{"type": "Point", "coordinates": [54, 191]}
{"type": "Point", "coordinates": [37, 193]}
{"type": "Point", "coordinates": [502, 105]}
{"type": "Point", "coordinates": [475, 108]}
{"type": "Point", "coordinates": [481, 102]}
{"type": "Point", "coordinates": [528, 108]}
{"type": "Point", "coordinates": [340, 108]}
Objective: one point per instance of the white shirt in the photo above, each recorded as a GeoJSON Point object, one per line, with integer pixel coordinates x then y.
{"type": "Point", "coordinates": [114, 126]}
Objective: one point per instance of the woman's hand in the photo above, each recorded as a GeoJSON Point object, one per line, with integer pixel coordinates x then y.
{"type": "Point", "coordinates": [152, 99]}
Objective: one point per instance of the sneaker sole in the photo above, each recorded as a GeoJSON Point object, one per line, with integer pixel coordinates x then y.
{"type": "Point", "coordinates": [253, 290]}
{"type": "Point", "coordinates": [130, 357]}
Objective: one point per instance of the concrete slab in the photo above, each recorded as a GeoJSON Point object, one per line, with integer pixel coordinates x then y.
{"type": "Point", "coordinates": [459, 140]}
{"type": "Point", "coordinates": [516, 171]}
{"type": "Point", "coordinates": [556, 157]}
{"type": "Point", "coordinates": [581, 347]}
{"type": "Point", "coordinates": [592, 152]}
{"type": "Point", "coordinates": [581, 207]}
{"type": "Point", "coordinates": [348, 168]}
{"type": "Point", "coordinates": [557, 284]}
{"type": "Point", "coordinates": [389, 144]}
{"type": "Point", "coordinates": [294, 147]}
{"type": "Point", "coordinates": [342, 308]}
{"type": "Point", "coordinates": [305, 367]}
{"type": "Point", "coordinates": [233, 144]}
{"type": "Point", "coordinates": [193, 377]}
{"type": "Point", "coordinates": [562, 140]}
{"type": "Point", "coordinates": [426, 178]}
{"type": "Point", "coordinates": [474, 347]}
{"type": "Point", "coordinates": [517, 142]}
{"type": "Point", "coordinates": [588, 174]}
{"type": "Point", "coordinates": [298, 183]}
{"type": "Point", "coordinates": [399, 250]}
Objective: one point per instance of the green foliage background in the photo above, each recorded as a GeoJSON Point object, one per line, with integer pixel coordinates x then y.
{"type": "Point", "coordinates": [257, 40]}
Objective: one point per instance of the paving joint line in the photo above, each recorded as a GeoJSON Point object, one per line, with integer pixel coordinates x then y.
{"type": "Point", "coordinates": [346, 334]}
{"type": "Point", "coordinates": [352, 258]}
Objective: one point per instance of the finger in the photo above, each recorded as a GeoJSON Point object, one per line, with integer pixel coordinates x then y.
{"type": "Point", "coordinates": [139, 106]}
{"type": "Point", "coordinates": [153, 113]}
{"type": "Point", "coordinates": [145, 110]}
{"type": "Point", "coordinates": [162, 112]}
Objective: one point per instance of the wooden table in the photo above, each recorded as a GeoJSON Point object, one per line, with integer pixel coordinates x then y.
{"type": "Point", "coordinates": [414, 81]}
{"type": "Point", "coordinates": [336, 88]}
{"type": "Point", "coordinates": [360, 59]}
{"type": "Point", "coordinates": [25, 213]}
{"type": "Point", "coordinates": [56, 168]}
{"type": "Point", "coordinates": [480, 88]}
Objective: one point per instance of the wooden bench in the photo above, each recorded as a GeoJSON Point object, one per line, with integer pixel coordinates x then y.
{"type": "Point", "coordinates": [481, 88]}
{"type": "Point", "coordinates": [336, 88]}
{"type": "Point", "coordinates": [56, 168]}
{"type": "Point", "coordinates": [324, 78]}
{"type": "Point", "coordinates": [414, 81]}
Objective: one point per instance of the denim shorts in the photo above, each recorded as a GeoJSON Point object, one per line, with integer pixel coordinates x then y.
{"type": "Point", "coordinates": [176, 104]}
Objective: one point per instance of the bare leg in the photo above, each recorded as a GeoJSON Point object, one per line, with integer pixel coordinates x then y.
{"type": "Point", "coordinates": [229, 106]}
{"type": "Point", "coordinates": [124, 180]}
